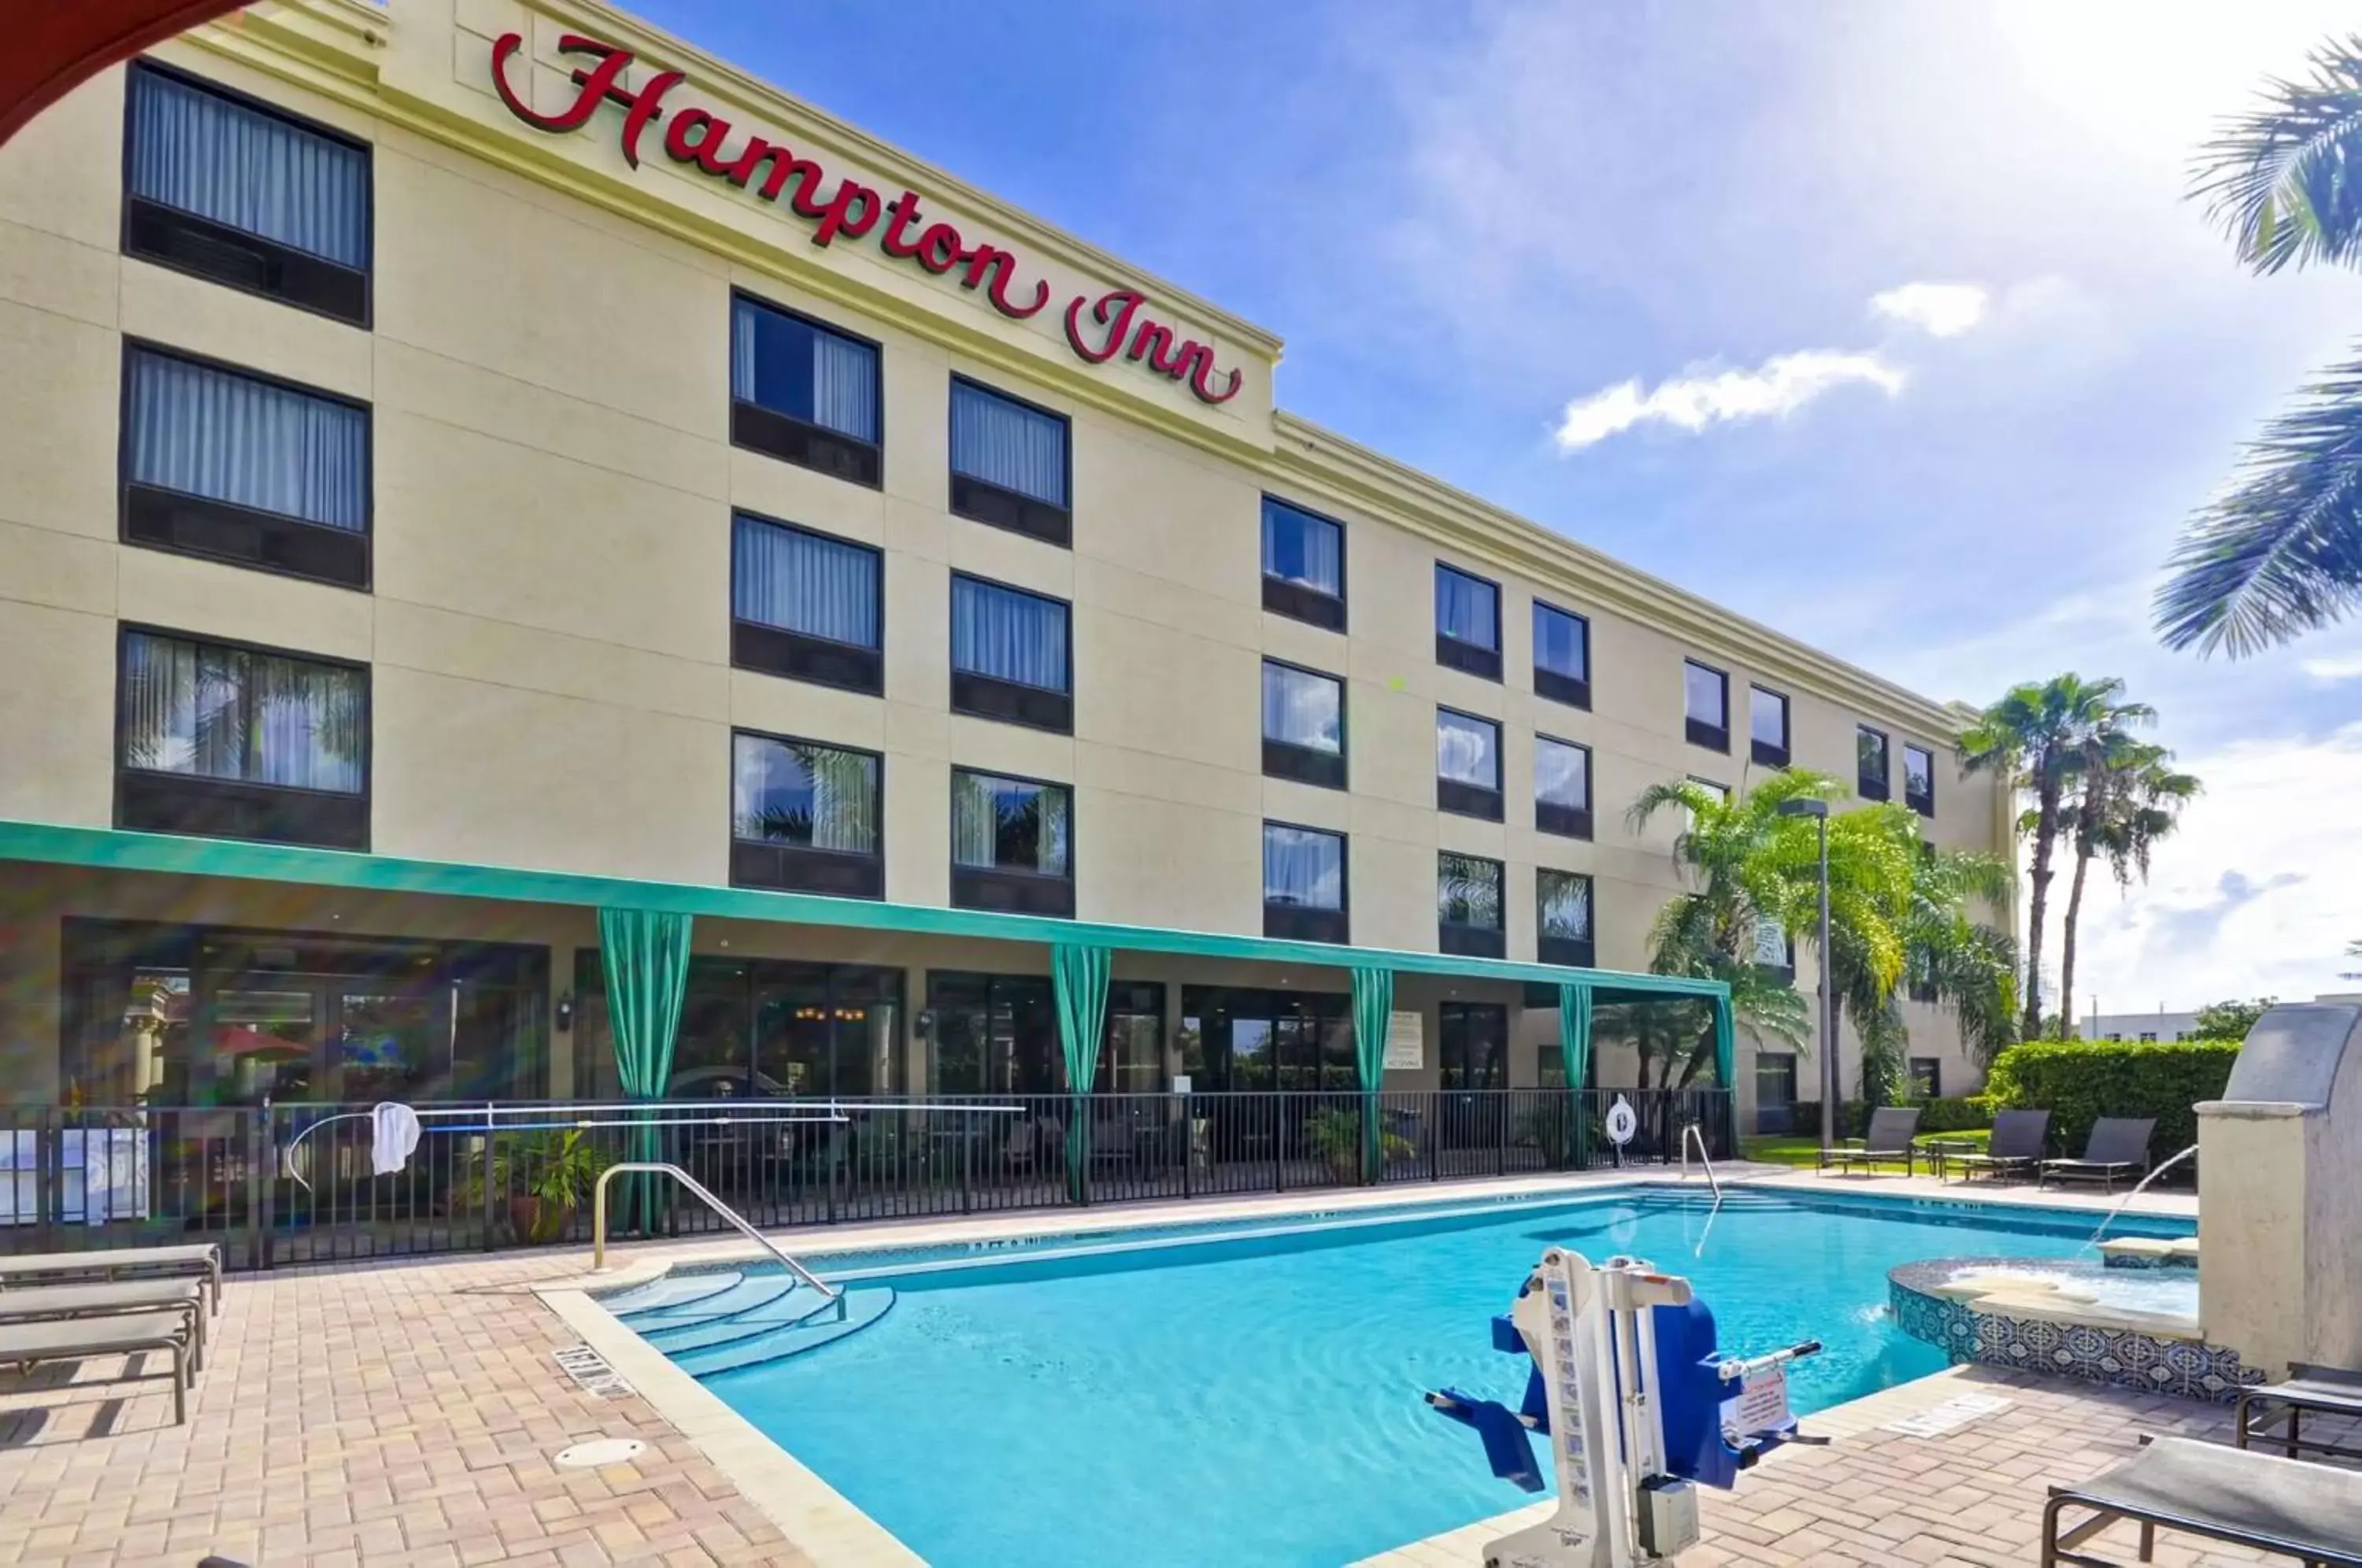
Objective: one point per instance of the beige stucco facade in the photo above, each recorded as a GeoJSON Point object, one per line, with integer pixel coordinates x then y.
{"type": "Point", "coordinates": [548, 630]}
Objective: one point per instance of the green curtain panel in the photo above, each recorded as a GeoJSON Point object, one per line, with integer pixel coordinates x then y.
{"type": "Point", "coordinates": [1079, 975]}
{"type": "Point", "coordinates": [645, 953]}
{"type": "Point", "coordinates": [1726, 1044]}
{"type": "Point", "coordinates": [1574, 1055]}
{"type": "Point", "coordinates": [1373, 1008]}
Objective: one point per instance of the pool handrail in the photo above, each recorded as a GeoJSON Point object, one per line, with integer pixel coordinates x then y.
{"type": "Point", "coordinates": [697, 1189]}
{"type": "Point", "coordinates": [1691, 1134]}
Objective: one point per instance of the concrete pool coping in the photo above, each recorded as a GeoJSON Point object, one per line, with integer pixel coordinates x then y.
{"type": "Point", "coordinates": [834, 1533]}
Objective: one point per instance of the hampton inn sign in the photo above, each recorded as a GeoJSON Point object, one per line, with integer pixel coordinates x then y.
{"type": "Point", "coordinates": [1096, 329]}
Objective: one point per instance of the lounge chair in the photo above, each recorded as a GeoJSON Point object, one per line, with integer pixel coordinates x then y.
{"type": "Point", "coordinates": [2310, 1512]}
{"type": "Point", "coordinates": [2118, 1146]}
{"type": "Point", "coordinates": [2320, 1389]}
{"type": "Point", "coordinates": [2018, 1140]}
{"type": "Point", "coordinates": [44, 1302]}
{"type": "Point", "coordinates": [201, 1258]}
{"type": "Point", "coordinates": [28, 1345]}
{"type": "Point", "coordinates": [1892, 1128]}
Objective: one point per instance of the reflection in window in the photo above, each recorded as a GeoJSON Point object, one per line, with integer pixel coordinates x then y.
{"type": "Point", "coordinates": [1561, 774]}
{"type": "Point", "coordinates": [1705, 695]}
{"type": "Point", "coordinates": [1561, 642]}
{"type": "Point", "coordinates": [233, 713]}
{"type": "Point", "coordinates": [1467, 609]}
{"type": "Point", "coordinates": [1468, 891]}
{"type": "Point", "coordinates": [1467, 749]}
{"type": "Point", "coordinates": [1010, 824]}
{"type": "Point", "coordinates": [1303, 867]}
{"type": "Point", "coordinates": [1301, 548]}
{"type": "Point", "coordinates": [1302, 709]}
{"type": "Point", "coordinates": [796, 793]}
{"type": "Point", "coordinates": [1564, 904]}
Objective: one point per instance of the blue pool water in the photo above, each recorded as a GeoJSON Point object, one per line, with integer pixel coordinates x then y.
{"type": "Point", "coordinates": [1255, 1400]}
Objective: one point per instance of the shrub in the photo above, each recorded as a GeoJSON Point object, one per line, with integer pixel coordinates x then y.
{"type": "Point", "coordinates": [2078, 1082]}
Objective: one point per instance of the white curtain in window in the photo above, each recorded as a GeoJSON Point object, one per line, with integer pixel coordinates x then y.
{"type": "Point", "coordinates": [803, 370]}
{"type": "Point", "coordinates": [1303, 867]}
{"type": "Point", "coordinates": [803, 582]}
{"type": "Point", "coordinates": [1008, 635]}
{"type": "Point", "coordinates": [845, 385]}
{"type": "Point", "coordinates": [229, 437]}
{"type": "Point", "coordinates": [1565, 902]}
{"type": "Point", "coordinates": [798, 794]}
{"type": "Point", "coordinates": [1561, 774]}
{"type": "Point", "coordinates": [1303, 709]}
{"type": "Point", "coordinates": [1467, 610]}
{"type": "Point", "coordinates": [1468, 891]}
{"type": "Point", "coordinates": [1467, 751]}
{"type": "Point", "coordinates": [1561, 642]}
{"type": "Point", "coordinates": [204, 154]}
{"type": "Point", "coordinates": [219, 712]}
{"type": "Point", "coordinates": [1010, 826]}
{"type": "Point", "coordinates": [1301, 548]}
{"type": "Point", "coordinates": [1007, 444]}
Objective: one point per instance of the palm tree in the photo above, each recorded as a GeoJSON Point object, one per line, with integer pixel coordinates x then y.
{"type": "Point", "coordinates": [2280, 552]}
{"type": "Point", "coordinates": [2132, 799]}
{"type": "Point", "coordinates": [2035, 739]}
{"type": "Point", "coordinates": [2106, 774]}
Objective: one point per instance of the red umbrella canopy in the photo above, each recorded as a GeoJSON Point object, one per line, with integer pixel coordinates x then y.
{"type": "Point", "coordinates": [54, 46]}
{"type": "Point", "coordinates": [235, 1040]}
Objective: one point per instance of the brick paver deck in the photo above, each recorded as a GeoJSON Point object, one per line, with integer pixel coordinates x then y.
{"type": "Point", "coordinates": [387, 1415]}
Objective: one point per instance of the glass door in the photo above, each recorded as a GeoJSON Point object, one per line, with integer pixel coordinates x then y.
{"type": "Point", "coordinates": [389, 1041]}
{"type": "Point", "coordinates": [262, 1036]}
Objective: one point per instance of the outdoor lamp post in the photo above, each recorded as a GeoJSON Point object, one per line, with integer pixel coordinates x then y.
{"type": "Point", "coordinates": [1828, 1013]}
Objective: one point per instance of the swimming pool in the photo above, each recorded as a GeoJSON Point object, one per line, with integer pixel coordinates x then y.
{"type": "Point", "coordinates": [1246, 1396]}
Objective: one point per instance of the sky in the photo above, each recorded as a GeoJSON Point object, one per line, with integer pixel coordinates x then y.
{"type": "Point", "coordinates": [1888, 326]}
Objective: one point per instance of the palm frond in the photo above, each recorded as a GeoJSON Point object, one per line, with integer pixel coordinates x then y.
{"type": "Point", "coordinates": [2281, 552]}
{"type": "Point", "coordinates": [2284, 179]}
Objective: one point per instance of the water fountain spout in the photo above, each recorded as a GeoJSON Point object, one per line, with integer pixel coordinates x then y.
{"type": "Point", "coordinates": [2117, 1212]}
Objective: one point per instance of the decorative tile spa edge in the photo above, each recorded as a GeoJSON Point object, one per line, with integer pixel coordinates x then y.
{"type": "Point", "coordinates": [2116, 1357]}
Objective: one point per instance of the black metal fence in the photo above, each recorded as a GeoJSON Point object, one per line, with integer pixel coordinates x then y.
{"type": "Point", "coordinates": [298, 1184]}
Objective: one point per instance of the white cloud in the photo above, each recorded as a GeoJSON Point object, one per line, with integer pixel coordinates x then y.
{"type": "Point", "coordinates": [1940, 310]}
{"type": "Point", "coordinates": [2330, 670]}
{"type": "Point", "coordinates": [1781, 385]}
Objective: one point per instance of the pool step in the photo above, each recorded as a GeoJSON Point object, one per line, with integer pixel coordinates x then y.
{"type": "Point", "coordinates": [672, 1290]}
{"type": "Point", "coordinates": [864, 1305]}
{"type": "Point", "coordinates": [750, 1291]}
{"type": "Point", "coordinates": [789, 1308]}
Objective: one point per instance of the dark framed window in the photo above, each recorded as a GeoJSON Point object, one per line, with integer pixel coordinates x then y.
{"type": "Point", "coordinates": [1013, 844]}
{"type": "Point", "coordinates": [1928, 1075]}
{"type": "Point", "coordinates": [809, 606]}
{"type": "Point", "coordinates": [993, 1034]}
{"type": "Point", "coordinates": [1776, 950]}
{"type": "Point", "coordinates": [806, 817]}
{"type": "Point", "coordinates": [1011, 464]}
{"type": "Point", "coordinates": [1561, 787]}
{"type": "Point", "coordinates": [1467, 622]}
{"type": "Point", "coordinates": [238, 192]}
{"type": "Point", "coordinates": [225, 740]}
{"type": "Point", "coordinates": [1303, 725]}
{"type": "Point", "coordinates": [1011, 655]}
{"type": "Point", "coordinates": [1236, 1038]}
{"type": "Point", "coordinates": [1562, 656]}
{"type": "Point", "coordinates": [1468, 905]}
{"type": "Point", "coordinates": [1471, 1053]}
{"type": "Point", "coordinates": [1767, 724]}
{"type": "Point", "coordinates": [1131, 1057]}
{"type": "Point", "coordinates": [805, 394]}
{"type": "Point", "coordinates": [1919, 779]}
{"type": "Point", "coordinates": [1775, 1091]}
{"type": "Point", "coordinates": [761, 1028]}
{"type": "Point", "coordinates": [1467, 765]}
{"type": "Point", "coordinates": [1562, 918]}
{"type": "Point", "coordinates": [1303, 890]}
{"type": "Point", "coordinates": [246, 469]}
{"type": "Point", "coordinates": [1705, 705]}
{"type": "Point", "coordinates": [1870, 759]}
{"type": "Point", "coordinates": [1303, 565]}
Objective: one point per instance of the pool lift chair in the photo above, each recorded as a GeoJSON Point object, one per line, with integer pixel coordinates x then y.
{"type": "Point", "coordinates": [1639, 1405]}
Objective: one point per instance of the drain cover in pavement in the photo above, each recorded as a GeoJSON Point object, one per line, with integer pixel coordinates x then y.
{"type": "Point", "coordinates": [605, 1450]}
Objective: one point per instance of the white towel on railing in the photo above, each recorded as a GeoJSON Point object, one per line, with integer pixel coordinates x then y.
{"type": "Point", "coordinates": [394, 1129]}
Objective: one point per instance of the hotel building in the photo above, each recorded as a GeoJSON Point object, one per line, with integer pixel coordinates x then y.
{"type": "Point", "coordinates": [472, 465]}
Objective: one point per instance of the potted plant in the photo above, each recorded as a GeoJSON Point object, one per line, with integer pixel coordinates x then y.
{"type": "Point", "coordinates": [544, 1177]}
{"type": "Point", "coordinates": [1335, 1134]}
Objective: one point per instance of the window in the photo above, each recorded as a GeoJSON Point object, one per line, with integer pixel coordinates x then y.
{"type": "Point", "coordinates": [244, 468]}
{"type": "Point", "coordinates": [806, 605]}
{"type": "Point", "coordinates": [1561, 787]}
{"type": "Point", "coordinates": [1775, 1091]}
{"type": "Point", "coordinates": [1303, 565]}
{"type": "Point", "coordinates": [1235, 1037]}
{"type": "Point", "coordinates": [1767, 721]}
{"type": "Point", "coordinates": [1927, 1077]}
{"type": "Point", "coordinates": [245, 195]}
{"type": "Point", "coordinates": [1467, 765]}
{"type": "Point", "coordinates": [1471, 1053]}
{"type": "Point", "coordinates": [1562, 656]}
{"type": "Point", "coordinates": [1468, 905]}
{"type": "Point", "coordinates": [1010, 654]}
{"type": "Point", "coordinates": [1013, 844]}
{"type": "Point", "coordinates": [1132, 1060]}
{"type": "Point", "coordinates": [1706, 698]}
{"type": "Point", "coordinates": [1303, 883]}
{"type": "Point", "coordinates": [1467, 622]}
{"type": "Point", "coordinates": [1010, 464]}
{"type": "Point", "coordinates": [1303, 725]}
{"type": "Point", "coordinates": [1869, 755]}
{"type": "Point", "coordinates": [805, 817]}
{"type": "Point", "coordinates": [1775, 951]}
{"type": "Point", "coordinates": [1549, 1066]}
{"type": "Point", "coordinates": [1919, 779]}
{"type": "Point", "coordinates": [1562, 917]}
{"type": "Point", "coordinates": [226, 741]}
{"type": "Point", "coordinates": [804, 394]}
{"type": "Point", "coordinates": [993, 1034]}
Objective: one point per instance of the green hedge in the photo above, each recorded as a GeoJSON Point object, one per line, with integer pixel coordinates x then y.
{"type": "Point", "coordinates": [1962, 1113]}
{"type": "Point", "coordinates": [2080, 1081]}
